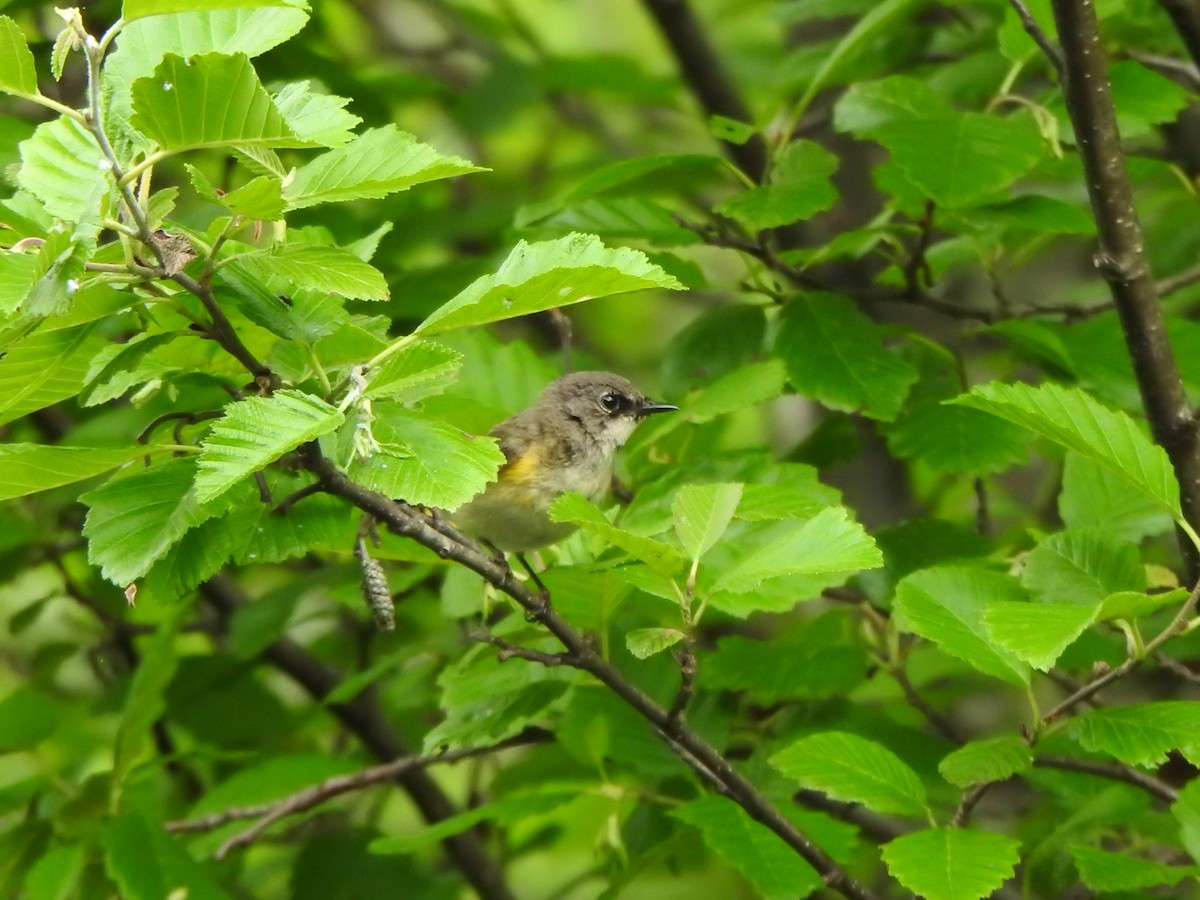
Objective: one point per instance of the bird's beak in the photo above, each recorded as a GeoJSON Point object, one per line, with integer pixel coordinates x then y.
{"type": "Point", "coordinates": [649, 408]}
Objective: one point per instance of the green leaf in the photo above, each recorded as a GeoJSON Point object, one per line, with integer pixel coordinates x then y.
{"type": "Point", "coordinates": [716, 343]}
{"type": "Point", "coordinates": [546, 275]}
{"type": "Point", "coordinates": [259, 198]}
{"type": "Point", "coordinates": [379, 162]}
{"type": "Point", "coordinates": [1130, 605]}
{"type": "Point", "coordinates": [211, 100]}
{"type": "Point", "coordinates": [427, 462]}
{"type": "Point", "coordinates": [414, 373]}
{"type": "Point", "coordinates": [980, 762]}
{"type": "Point", "coordinates": [1082, 566]}
{"type": "Point", "coordinates": [56, 875]}
{"type": "Point", "coordinates": [137, 9]}
{"type": "Point", "coordinates": [817, 663]}
{"type": "Point", "coordinates": [855, 770]}
{"type": "Point", "coordinates": [835, 355]}
{"type": "Point", "coordinates": [829, 542]}
{"type": "Point", "coordinates": [575, 509]}
{"type": "Point", "coordinates": [866, 105]}
{"type": "Point", "coordinates": [114, 372]}
{"type": "Point", "coordinates": [702, 513]}
{"type": "Point", "coordinates": [946, 605]}
{"type": "Point", "coordinates": [17, 274]}
{"type": "Point", "coordinates": [854, 44]}
{"type": "Point", "coordinates": [1071, 418]}
{"type": "Point", "coordinates": [745, 386]}
{"type": "Point", "coordinates": [1186, 811]}
{"type": "Point", "coordinates": [133, 520]}
{"type": "Point", "coordinates": [1105, 870]}
{"type": "Point", "coordinates": [976, 154]}
{"type": "Point", "coordinates": [27, 717]}
{"type": "Point", "coordinates": [29, 468]}
{"type": "Point", "coordinates": [799, 188]}
{"type": "Point", "coordinates": [316, 267]}
{"type": "Point", "coordinates": [257, 431]}
{"type": "Point", "coordinates": [749, 846]}
{"type": "Point", "coordinates": [1037, 633]}
{"type": "Point", "coordinates": [319, 118]}
{"type": "Point", "coordinates": [645, 642]}
{"type": "Point", "coordinates": [518, 807]}
{"type": "Point", "coordinates": [952, 863]}
{"type": "Point", "coordinates": [1141, 735]}
{"type": "Point", "coordinates": [487, 701]}
{"type": "Point", "coordinates": [145, 863]}
{"type": "Point", "coordinates": [143, 43]}
{"type": "Point", "coordinates": [64, 168]}
{"type": "Point", "coordinates": [146, 701]}
{"type": "Point", "coordinates": [1094, 496]}
{"type": "Point", "coordinates": [17, 72]}
{"type": "Point", "coordinates": [1143, 98]}
{"type": "Point", "coordinates": [957, 440]}
{"type": "Point", "coordinates": [44, 368]}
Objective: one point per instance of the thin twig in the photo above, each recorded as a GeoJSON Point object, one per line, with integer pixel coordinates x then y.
{"type": "Point", "coordinates": [687, 680]}
{"type": "Point", "coordinates": [940, 723]}
{"type": "Point", "coordinates": [1034, 30]}
{"type": "Point", "coordinates": [1112, 771]}
{"type": "Point", "coordinates": [268, 814]}
{"type": "Point", "coordinates": [970, 799]}
{"type": "Point", "coordinates": [1176, 626]}
{"type": "Point", "coordinates": [509, 650]}
{"type": "Point", "coordinates": [1175, 667]}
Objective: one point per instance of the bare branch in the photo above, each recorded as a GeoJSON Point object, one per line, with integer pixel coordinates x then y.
{"type": "Point", "coordinates": [268, 814]}
{"type": "Point", "coordinates": [1111, 771]}
{"type": "Point", "coordinates": [1034, 30]}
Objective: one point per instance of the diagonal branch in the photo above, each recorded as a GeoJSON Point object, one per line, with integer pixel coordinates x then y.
{"type": "Point", "coordinates": [1121, 258]}
{"type": "Point", "coordinates": [689, 746]}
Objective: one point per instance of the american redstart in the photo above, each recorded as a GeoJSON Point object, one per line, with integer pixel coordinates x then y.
{"type": "Point", "coordinates": [564, 442]}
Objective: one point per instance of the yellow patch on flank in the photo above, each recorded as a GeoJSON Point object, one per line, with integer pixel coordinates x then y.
{"type": "Point", "coordinates": [522, 470]}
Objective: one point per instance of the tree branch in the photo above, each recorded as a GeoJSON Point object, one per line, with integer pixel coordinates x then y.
{"type": "Point", "coordinates": [363, 717]}
{"type": "Point", "coordinates": [1111, 771]}
{"type": "Point", "coordinates": [1034, 30]}
{"type": "Point", "coordinates": [1121, 259]}
{"type": "Point", "coordinates": [314, 795]}
{"type": "Point", "coordinates": [1176, 626]}
{"type": "Point", "coordinates": [701, 756]}
{"type": "Point", "coordinates": [708, 79]}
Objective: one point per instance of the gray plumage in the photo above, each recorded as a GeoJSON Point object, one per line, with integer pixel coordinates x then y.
{"type": "Point", "coordinates": [564, 442]}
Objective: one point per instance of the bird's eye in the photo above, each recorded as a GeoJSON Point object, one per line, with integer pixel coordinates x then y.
{"type": "Point", "coordinates": [612, 402]}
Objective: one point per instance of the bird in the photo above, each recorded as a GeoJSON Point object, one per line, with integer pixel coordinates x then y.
{"type": "Point", "coordinates": [564, 442]}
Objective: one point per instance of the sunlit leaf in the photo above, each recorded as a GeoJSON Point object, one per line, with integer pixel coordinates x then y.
{"type": "Point", "coordinates": [952, 863]}
{"type": "Point", "coordinates": [378, 162]}
{"type": "Point", "coordinates": [853, 769]}
{"type": "Point", "coordinates": [545, 275]}
{"type": "Point", "coordinates": [772, 866]}
{"type": "Point", "coordinates": [257, 431]}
